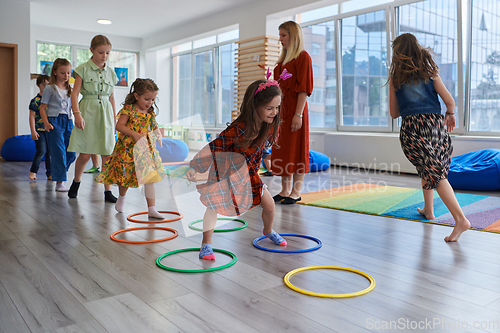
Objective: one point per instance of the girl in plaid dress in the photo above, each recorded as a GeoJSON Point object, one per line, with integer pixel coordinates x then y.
{"type": "Point", "coordinates": [234, 185]}
{"type": "Point", "coordinates": [414, 86]}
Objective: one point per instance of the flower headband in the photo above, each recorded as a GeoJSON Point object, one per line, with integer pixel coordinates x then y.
{"type": "Point", "coordinates": [283, 76]}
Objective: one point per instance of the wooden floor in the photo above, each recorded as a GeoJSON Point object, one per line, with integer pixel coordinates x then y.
{"type": "Point", "coordinates": [60, 272]}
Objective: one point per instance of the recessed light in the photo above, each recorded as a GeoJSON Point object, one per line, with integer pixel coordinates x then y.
{"type": "Point", "coordinates": [104, 21]}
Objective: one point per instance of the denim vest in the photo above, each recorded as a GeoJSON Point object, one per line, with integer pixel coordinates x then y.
{"type": "Point", "coordinates": [418, 98]}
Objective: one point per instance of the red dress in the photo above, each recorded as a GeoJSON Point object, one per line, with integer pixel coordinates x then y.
{"type": "Point", "coordinates": [293, 154]}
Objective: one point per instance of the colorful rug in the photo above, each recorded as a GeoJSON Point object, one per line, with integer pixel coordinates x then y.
{"type": "Point", "coordinates": [482, 211]}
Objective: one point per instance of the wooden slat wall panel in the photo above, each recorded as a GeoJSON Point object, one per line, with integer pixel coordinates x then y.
{"type": "Point", "coordinates": [251, 53]}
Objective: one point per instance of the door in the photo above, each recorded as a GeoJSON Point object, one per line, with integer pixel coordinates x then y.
{"type": "Point", "coordinates": [8, 91]}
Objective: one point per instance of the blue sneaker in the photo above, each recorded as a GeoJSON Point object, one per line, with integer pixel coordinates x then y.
{"type": "Point", "coordinates": [206, 252]}
{"type": "Point", "coordinates": [276, 238]}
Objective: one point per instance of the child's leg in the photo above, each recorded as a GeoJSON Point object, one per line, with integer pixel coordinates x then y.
{"type": "Point", "coordinates": [149, 190]}
{"type": "Point", "coordinates": [39, 152]}
{"type": "Point", "coordinates": [268, 209]}
{"type": "Point", "coordinates": [57, 153]}
{"type": "Point", "coordinates": [448, 196]}
{"type": "Point", "coordinates": [428, 210]}
{"type": "Point", "coordinates": [209, 221]}
{"type": "Point", "coordinates": [48, 171]}
{"type": "Point", "coordinates": [120, 203]}
{"type": "Point", "coordinates": [108, 195]}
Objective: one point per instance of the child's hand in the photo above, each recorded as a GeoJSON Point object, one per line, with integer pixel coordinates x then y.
{"type": "Point", "coordinates": [79, 121]}
{"type": "Point", "coordinates": [35, 135]}
{"type": "Point", "coordinates": [48, 126]}
{"type": "Point", "coordinates": [449, 121]}
{"type": "Point", "coordinates": [191, 175]}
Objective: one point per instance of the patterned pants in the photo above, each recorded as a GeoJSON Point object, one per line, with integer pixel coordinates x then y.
{"type": "Point", "coordinates": [427, 146]}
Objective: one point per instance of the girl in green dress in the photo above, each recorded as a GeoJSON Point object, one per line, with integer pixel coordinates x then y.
{"type": "Point", "coordinates": [135, 159]}
{"type": "Point", "coordinates": [94, 131]}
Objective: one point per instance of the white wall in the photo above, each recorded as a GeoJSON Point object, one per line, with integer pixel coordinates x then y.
{"type": "Point", "coordinates": [15, 30]}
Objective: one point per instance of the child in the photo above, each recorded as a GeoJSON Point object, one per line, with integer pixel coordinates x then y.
{"type": "Point", "coordinates": [38, 131]}
{"type": "Point", "coordinates": [55, 112]}
{"type": "Point", "coordinates": [414, 86]}
{"type": "Point", "coordinates": [94, 131]}
{"type": "Point", "coordinates": [136, 121]}
{"type": "Point", "coordinates": [245, 139]}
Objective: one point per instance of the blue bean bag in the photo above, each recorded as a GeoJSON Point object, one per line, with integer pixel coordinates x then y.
{"type": "Point", "coordinates": [18, 148]}
{"type": "Point", "coordinates": [318, 161]}
{"type": "Point", "coordinates": [173, 150]}
{"type": "Point", "coordinates": [476, 171]}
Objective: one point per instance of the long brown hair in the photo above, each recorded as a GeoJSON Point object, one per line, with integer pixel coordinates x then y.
{"type": "Point", "coordinates": [248, 112]}
{"type": "Point", "coordinates": [58, 63]}
{"type": "Point", "coordinates": [296, 42]}
{"type": "Point", "coordinates": [411, 62]}
{"type": "Point", "coordinates": [140, 86]}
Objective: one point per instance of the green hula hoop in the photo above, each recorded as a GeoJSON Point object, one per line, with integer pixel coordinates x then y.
{"type": "Point", "coordinates": [245, 224]}
{"type": "Point", "coordinates": [159, 264]}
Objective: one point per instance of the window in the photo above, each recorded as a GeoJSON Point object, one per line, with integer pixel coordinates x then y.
{"type": "Point", "coordinates": [46, 54]}
{"type": "Point", "coordinates": [434, 23]}
{"type": "Point", "coordinates": [485, 67]}
{"type": "Point", "coordinates": [364, 70]}
{"type": "Point", "coordinates": [317, 14]}
{"type": "Point", "coordinates": [117, 59]}
{"type": "Point", "coordinates": [323, 101]}
{"type": "Point", "coordinates": [203, 82]}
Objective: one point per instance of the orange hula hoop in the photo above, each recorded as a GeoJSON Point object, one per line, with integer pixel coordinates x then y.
{"type": "Point", "coordinates": [143, 242]}
{"type": "Point", "coordinates": [159, 221]}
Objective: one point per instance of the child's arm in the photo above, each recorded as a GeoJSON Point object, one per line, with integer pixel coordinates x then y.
{"type": "Point", "coordinates": [449, 118]}
{"type": "Point", "coordinates": [112, 100]}
{"type": "Point", "coordinates": [121, 126]}
{"type": "Point", "coordinates": [45, 119]}
{"type": "Point", "coordinates": [79, 121]}
{"type": "Point", "coordinates": [393, 102]}
{"type": "Point", "coordinates": [34, 133]}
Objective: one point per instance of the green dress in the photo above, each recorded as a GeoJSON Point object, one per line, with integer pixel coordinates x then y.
{"type": "Point", "coordinates": [98, 135]}
{"type": "Point", "coordinates": [130, 167]}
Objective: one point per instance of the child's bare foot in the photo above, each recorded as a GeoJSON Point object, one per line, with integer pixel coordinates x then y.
{"type": "Point", "coordinates": [49, 178]}
{"type": "Point", "coordinates": [32, 176]}
{"type": "Point", "coordinates": [428, 215]}
{"type": "Point", "coordinates": [460, 227]}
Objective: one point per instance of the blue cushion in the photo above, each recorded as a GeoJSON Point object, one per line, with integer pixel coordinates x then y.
{"type": "Point", "coordinates": [476, 171]}
{"type": "Point", "coordinates": [173, 150]}
{"type": "Point", "coordinates": [18, 148]}
{"type": "Point", "coordinates": [318, 161]}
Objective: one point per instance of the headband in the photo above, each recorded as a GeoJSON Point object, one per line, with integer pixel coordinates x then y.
{"type": "Point", "coordinates": [283, 76]}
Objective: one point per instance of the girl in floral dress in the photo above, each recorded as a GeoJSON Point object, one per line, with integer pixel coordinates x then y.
{"type": "Point", "coordinates": [135, 159]}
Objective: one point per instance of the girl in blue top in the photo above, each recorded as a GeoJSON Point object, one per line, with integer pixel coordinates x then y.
{"type": "Point", "coordinates": [55, 112]}
{"type": "Point", "coordinates": [414, 86]}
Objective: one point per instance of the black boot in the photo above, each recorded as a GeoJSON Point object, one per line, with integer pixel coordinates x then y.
{"type": "Point", "coordinates": [109, 197]}
{"type": "Point", "coordinates": [73, 190]}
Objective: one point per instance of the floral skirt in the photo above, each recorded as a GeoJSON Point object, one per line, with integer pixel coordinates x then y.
{"type": "Point", "coordinates": [427, 146]}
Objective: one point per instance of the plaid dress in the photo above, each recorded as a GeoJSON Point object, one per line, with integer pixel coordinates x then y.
{"type": "Point", "coordinates": [233, 184]}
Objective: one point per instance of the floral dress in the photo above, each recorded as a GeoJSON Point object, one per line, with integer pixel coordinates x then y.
{"type": "Point", "coordinates": [133, 163]}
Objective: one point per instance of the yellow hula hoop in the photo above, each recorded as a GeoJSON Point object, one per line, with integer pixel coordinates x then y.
{"type": "Point", "coordinates": [311, 293]}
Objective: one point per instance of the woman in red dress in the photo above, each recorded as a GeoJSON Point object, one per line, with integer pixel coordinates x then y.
{"type": "Point", "coordinates": [291, 159]}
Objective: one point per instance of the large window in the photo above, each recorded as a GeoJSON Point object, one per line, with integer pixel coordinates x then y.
{"type": "Point", "coordinates": [117, 59]}
{"type": "Point", "coordinates": [203, 80]}
{"type": "Point", "coordinates": [434, 23]}
{"type": "Point", "coordinates": [46, 53]}
{"type": "Point", "coordinates": [364, 70]}
{"type": "Point", "coordinates": [485, 67]}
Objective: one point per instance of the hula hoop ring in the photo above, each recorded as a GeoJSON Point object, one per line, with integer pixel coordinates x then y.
{"type": "Point", "coordinates": [159, 221]}
{"type": "Point", "coordinates": [159, 264]}
{"type": "Point", "coordinates": [245, 224]}
{"type": "Point", "coordinates": [311, 293]}
{"type": "Point", "coordinates": [143, 242]}
{"type": "Point", "coordinates": [294, 251]}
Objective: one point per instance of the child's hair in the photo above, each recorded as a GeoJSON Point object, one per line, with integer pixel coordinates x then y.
{"type": "Point", "coordinates": [41, 78]}
{"type": "Point", "coordinates": [251, 101]}
{"type": "Point", "coordinates": [140, 86]}
{"type": "Point", "coordinates": [296, 40]}
{"type": "Point", "coordinates": [99, 40]}
{"type": "Point", "coordinates": [58, 63]}
{"type": "Point", "coordinates": [410, 62]}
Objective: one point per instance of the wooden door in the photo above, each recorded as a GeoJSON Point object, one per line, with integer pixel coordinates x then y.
{"type": "Point", "coordinates": [8, 91]}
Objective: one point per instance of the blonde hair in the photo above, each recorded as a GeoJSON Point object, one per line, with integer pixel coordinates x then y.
{"type": "Point", "coordinates": [296, 42]}
{"type": "Point", "coordinates": [411, 62]}
{"type": "Point", "coordinates": [99, 40]}
{"type": "Point", "coordinates": [58, 63]}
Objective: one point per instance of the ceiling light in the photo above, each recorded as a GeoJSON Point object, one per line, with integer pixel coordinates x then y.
{"type": "Point", "coordinates": [101, 21]}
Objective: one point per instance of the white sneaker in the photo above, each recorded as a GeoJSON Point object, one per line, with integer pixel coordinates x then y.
{"type": "Point", "coordinates": [61, 188]}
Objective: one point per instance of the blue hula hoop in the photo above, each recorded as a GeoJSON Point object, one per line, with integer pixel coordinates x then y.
{"type": "Point", "coordinates": [294, 251]}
